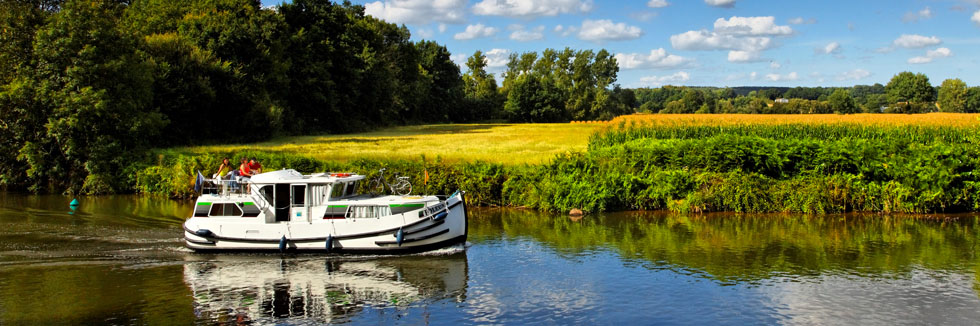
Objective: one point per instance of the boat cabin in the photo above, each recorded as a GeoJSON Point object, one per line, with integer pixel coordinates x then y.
{"type": "Point", "coordinates": [287, 195]}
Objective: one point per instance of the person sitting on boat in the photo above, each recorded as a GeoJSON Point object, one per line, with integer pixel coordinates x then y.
{"type": "Point", "coordinates": [244, 172]}
{"type": "Point", "coordinates": [254, 166]}
{"type": "Point", "coordinates": [223, 170]}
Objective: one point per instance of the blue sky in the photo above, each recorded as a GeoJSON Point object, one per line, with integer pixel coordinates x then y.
{"type": "Point", "coordinates": [714, 42]}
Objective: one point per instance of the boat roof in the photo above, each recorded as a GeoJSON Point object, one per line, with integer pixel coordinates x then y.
{"type": "Point", "coordinates": [293, 176]}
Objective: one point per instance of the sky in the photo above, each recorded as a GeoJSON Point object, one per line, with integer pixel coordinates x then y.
{"type": "Point", "coordinates": [713, 42]}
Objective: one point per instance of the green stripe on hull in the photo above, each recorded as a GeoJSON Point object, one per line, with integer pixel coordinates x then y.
{"type": "Point", "coordinates": [407, 205]}
{"type": "Point", "coordinates": [200, 204]}
{"type": "Point", "coordinates": [337, 206]}
{"type": "Point", "coordinates": [248, 203]}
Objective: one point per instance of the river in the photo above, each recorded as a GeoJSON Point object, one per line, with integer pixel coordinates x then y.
{"type": "Point", "coordinates": [120, 260]}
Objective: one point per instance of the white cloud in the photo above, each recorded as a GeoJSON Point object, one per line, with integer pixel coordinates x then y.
{"type": "Point", "coordinates": [497, 58]}
{"type": "Point", "coordinates": [753, 75]}
{"type": "Point", "coordinates": [775, 65]}
{"type": "Point", "coordinates": [523, 35]}
{"type": "Point", "coordinates": [779, 78]}
{"type": "Point", "coordinates": [531, 8]}
{"type": "Point", "coordinates": [565, 30]}
{"type": "Point", "coordinates": [644, 15]}
{"type": "Point", "coordinates": [475, 31]}
{"type": "Point", "coordinates": [418, 11]}
{"type": "Point", "coordinates": [606, 30]}
{"type": "Point", "coordinates": [913, 41]}
{"type": "Point", "coordinates": [830, 48]}
{"type": "Point", "coordinates": [657, 3]}
{"type": "Point", "coordinates": [678, 77]}
{"type": "Point", "coordinates": [459, 59]}
{"type": "Point", "coordinates": [704, 40]}
{"type": "Point", "coordinates": [976, 17]}
{"type": "Point", "coordinates": [657, 59]}
{"type": "Point", "coordinates": [442, 28]}
{"type": "Point", "coordinates": [744, 37]}
{"type": "Point", "coordinates": [721, 3]}
{"type": "Point", "coordinates": [743, 56]}
{"type": "Point", "coordinates": [755, 26]}
{"type": "Point", "coordinates": [855, 74]}
{"type": "Point", "coordinates": [914, 16]}
{"type": "Point", "coordinates": [802, 21]}
{"type": "Point", "coordinates": [424, 33]}
{"type": "Point", "coordinates": [931, 55]}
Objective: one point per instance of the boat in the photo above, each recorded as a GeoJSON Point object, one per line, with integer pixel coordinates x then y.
{"type": "Point", "coordinates": [286, 210]}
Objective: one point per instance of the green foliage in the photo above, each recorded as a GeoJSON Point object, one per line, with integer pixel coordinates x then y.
{"type": "Point", "coordinates": [842, 102]}
{"type": "Point", "coordinates": [480, 89]}
{"type": "Point", "coordinates": [87, 86]}
{"type": "Point", "coordinates": [564, 85]}
{"type": "Point", "coordinates": [910, 87]}
{"type": "Point", "coordinates": [952, 96]}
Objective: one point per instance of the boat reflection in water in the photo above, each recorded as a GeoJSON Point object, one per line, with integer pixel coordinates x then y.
{"type": "Point", "coordinates": [240, 289]}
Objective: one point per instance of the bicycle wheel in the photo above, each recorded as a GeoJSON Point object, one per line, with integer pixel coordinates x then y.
{"type": "Point", "coordinates": [402, 187]}
{"type": "Point", "coordinates": [376, 188]}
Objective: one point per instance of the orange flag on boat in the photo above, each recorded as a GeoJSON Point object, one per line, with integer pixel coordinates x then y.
{"type": "Point", "coordinates": [426, 176]}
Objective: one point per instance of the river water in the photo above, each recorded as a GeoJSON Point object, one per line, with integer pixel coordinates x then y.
{"type": "Point", "coordinates": [120, 260]}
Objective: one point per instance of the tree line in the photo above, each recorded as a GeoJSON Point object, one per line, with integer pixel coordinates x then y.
{"type": "Point", "coordinates": [906, 92]}
{"type": "Point", "coordinates": [87, 86]}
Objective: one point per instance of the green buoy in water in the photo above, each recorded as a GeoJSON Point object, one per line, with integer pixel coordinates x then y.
{"type": "Point", "coordinates": [74, 203]}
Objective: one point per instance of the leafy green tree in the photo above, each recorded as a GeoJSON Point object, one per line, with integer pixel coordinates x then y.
{"type": "Point", "coordinates": [480, 88]}
{"type": "Point", "coordinates": [444, 86]}
{"type": "Point", "coordinates": [98, 91]}
{"type": "Point", "coordinates": [842, 103]}
{"type": "Point", "coordinates": [973, 100]}
{"type": "Point", "coordinates": [530, 100]}
{"type": "Point", "coordinates": [952, 96]}
{"type": "Point", "coordinates": [909, 87]}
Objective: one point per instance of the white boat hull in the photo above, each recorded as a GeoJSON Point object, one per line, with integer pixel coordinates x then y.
{"type": "Point", "coordinates": [421, 230]}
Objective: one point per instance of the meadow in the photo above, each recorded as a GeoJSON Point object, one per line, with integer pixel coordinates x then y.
{"type": "Point", "coordinates": [688, 163]}
{"type": "Point", "coordinates": [509, 144]}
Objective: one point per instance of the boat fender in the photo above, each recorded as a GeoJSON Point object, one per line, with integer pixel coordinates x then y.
{"type": "Point", "coordinates": [329, 244]}
{"type": "Point", "coordinates": [440, 216]}
{"type": "Point", "coordinates": [204, 233]}
{"type": "Point", "coordinates": [399, 237]}
{"type": "Point", "coordinates": [282, 244]}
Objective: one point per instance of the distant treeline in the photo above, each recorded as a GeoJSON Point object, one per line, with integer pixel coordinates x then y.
{"type": "Point", "coordinates": [906, 93]}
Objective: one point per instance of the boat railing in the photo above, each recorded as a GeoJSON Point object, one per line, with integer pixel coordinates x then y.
{"type": "Point", "coordinates": [225, 187]}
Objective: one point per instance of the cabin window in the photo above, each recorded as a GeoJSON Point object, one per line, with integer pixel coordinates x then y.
{"type": "Point", "coordinates": [226, 209]}
{"type": "Point", "coordinates": [368, 211]}
{"type": "Point", "coordinates": [350, 188]}
{"type": "Point", "coordinates": [267, 192]}
{"type": "Point", "coordinates": [338, 190]}
{"type": "Point", "coordinates": [318, 194]}
{"type": "Point", "coordinates": [299, 195]}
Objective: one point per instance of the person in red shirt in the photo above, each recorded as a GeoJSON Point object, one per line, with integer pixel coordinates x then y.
{"type": "Point", "coordinates": [244, 173]}
{"type": "Point", "coordinates": [254, 166]}
{"type": "Point", "coordinates": [243, 169]}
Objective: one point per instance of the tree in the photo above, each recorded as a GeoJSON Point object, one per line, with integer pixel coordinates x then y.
{"type": "Point", "coordinates": [841, 102]}
{"type": "Point", "coordinates": [973, 100]}
{"type": "Point", "coordinates": [445, 90]}
{"type": "Point", "coordinates": [909, 87]}
{"type": "Point", "coordinates": [480, 88]}
{"type": "Point", "coordinates": [98, 93]}
{"type": "Point", "coordinates": [952, 96]}
{"type": "Point", "coordinates": [530, 100]}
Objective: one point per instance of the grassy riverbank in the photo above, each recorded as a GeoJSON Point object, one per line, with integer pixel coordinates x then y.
{"type": "Point", "coordinates": [687, 163]}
